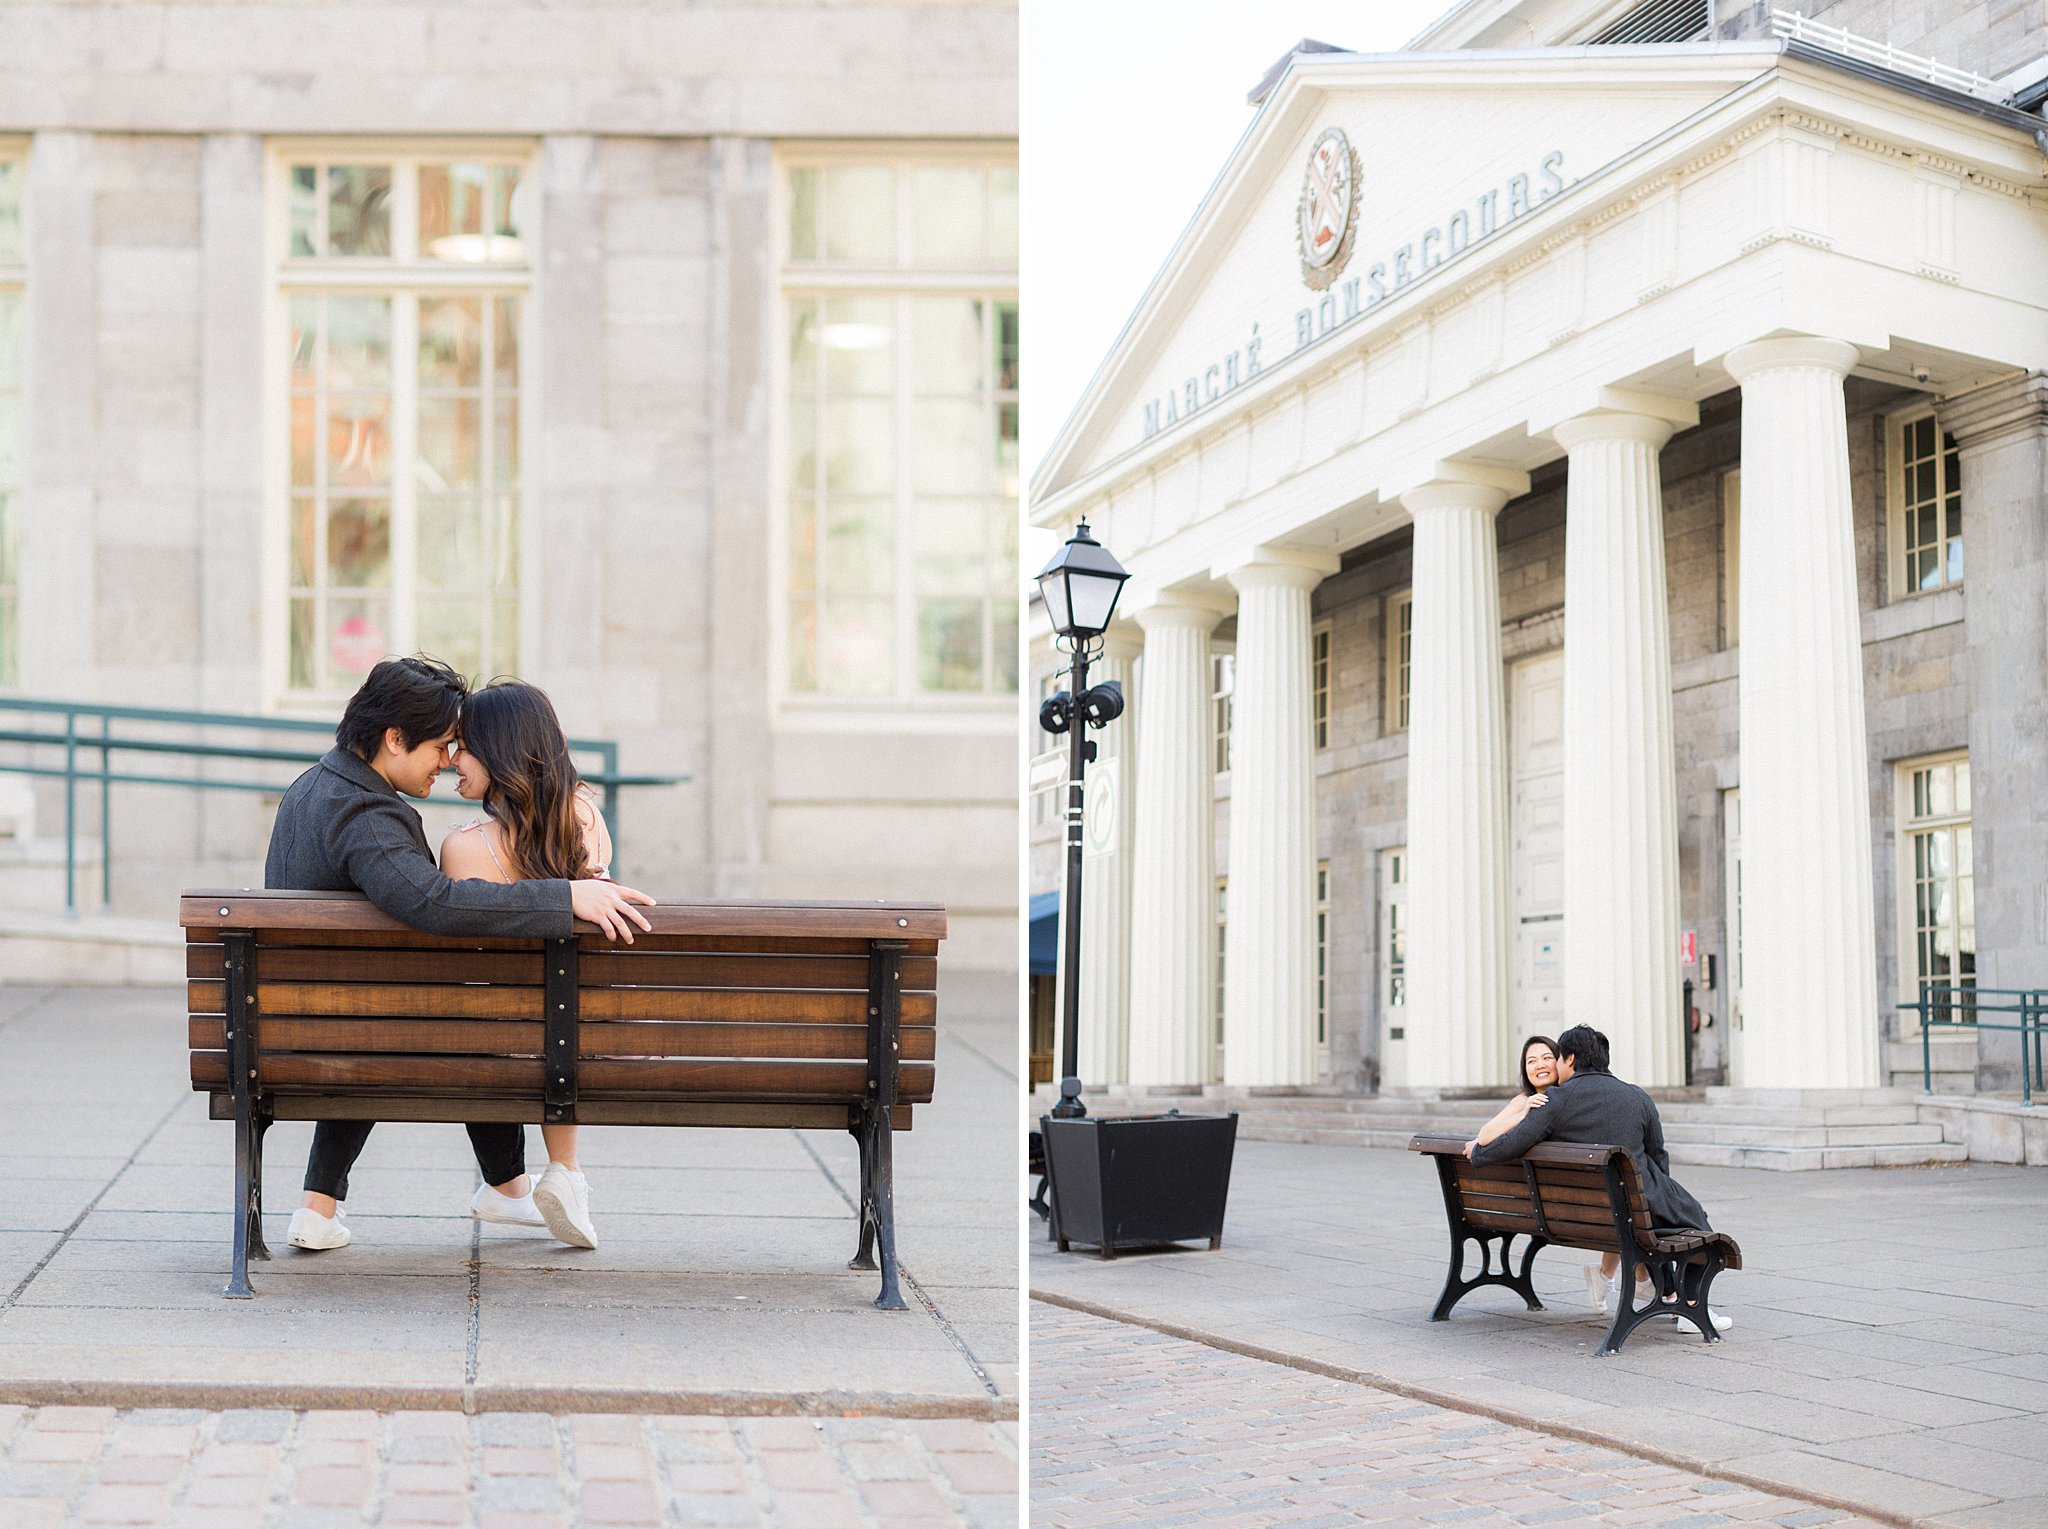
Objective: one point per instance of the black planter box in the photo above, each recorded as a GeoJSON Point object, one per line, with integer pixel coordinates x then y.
{"type": "Point", "coordinates": [1139, 1181]}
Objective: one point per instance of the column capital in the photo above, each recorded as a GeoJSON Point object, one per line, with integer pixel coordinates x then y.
{"type": "Point", "coordinates": [1585, 429]}
{"type": "Point", "coordinates": [1800, 350]}
{"type": "Point", "coordinates": [1157, 609]}
{"type": "Point", "coordinates": [1613, 403]}
{"type": "Point", "coordinates": [1268, 566]}
{"type": "Point", "coordinates": [1472, 485]}
{"type": "Point", "coordinates": [1988, 415]}
{"type": "Point", "coordinates": [1124, 639]}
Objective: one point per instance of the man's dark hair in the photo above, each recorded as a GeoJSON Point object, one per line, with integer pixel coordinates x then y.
{"type": "Point", "coordinates": [1586, 1047]}
{"type": "Point", "coordinates": [420, 696]}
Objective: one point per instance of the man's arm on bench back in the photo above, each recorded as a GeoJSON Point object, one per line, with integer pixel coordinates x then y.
{"type": "Point", "coordinates": [1535, 1127]}
{"type": "Point", "coordinates": [378, 845]}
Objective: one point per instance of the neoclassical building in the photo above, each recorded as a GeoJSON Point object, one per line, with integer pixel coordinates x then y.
{"type": "Point", "coordinates": [1585, 480]}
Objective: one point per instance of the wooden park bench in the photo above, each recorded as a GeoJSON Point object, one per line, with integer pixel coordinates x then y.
{"type": "Point", "coordinates": [318, 1006]}
{"type": "Point", "coordinates": [1577, 1196]}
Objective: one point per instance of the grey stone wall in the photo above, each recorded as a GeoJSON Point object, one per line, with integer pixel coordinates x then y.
{"type": "Point", "coordinates": [832, 68]}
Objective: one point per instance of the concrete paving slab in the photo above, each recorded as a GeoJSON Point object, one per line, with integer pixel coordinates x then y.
{"type": "Point", "coordinates": [721, 1281]}
{"type": "Point", "coordinates": [1859, 1369]}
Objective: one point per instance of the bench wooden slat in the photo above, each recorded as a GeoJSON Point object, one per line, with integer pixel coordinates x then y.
{"type": "Point", "coordinates": [243, 909]}
{"type": "Point", "coordinates": [508, 968]}
{"type": "Point", "coordinates": [707, 969]}
{"type": "Point", "coordinates": [626, 1112]}
{"type": "Point", "coordinates": [207, 940]}
{"type": "Point", "coordinates": [781, 970]}
{"type": "Point", "coordinates": [451, 1001]}
{"type": "Point", "coordinates": [487, 1037]}
{"type": "Point", "coordinates": [652, 1077]}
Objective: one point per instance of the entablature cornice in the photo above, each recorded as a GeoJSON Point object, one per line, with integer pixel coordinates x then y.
{"type": "Point", "coordinates": [1490, 289]}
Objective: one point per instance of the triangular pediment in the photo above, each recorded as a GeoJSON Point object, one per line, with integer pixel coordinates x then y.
{"type": "Point", "coordinates": [1450, 152]}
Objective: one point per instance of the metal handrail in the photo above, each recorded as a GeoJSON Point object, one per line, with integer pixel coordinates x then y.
{"type": "Point", "coordinates": [1939, 1001]}
{"type": "Point", "coordinates": [76, 740]}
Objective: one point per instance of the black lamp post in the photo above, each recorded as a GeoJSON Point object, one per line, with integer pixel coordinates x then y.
{"type": "Point", "coordinates": [1080, 586]}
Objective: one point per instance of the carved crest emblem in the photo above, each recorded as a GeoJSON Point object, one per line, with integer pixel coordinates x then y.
{"type": "Point", "coordinates": [1326, 222]}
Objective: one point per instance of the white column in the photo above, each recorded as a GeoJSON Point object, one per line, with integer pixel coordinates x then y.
{"type": "Point", "coordinates": [1620, 791]}
{"type": "Point", "coordinates": [1106, 866]}
{"type": "Point", "coordinates": [1172, 972]}
{"type": "Point", "coordinates": [1269, 992]}
{"type": "Point", "coordinates": [1458, 946]}
{"type": "Point", "coordinates": [1809, 948]}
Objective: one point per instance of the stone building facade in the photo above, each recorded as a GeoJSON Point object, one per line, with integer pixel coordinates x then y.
{"type": "Point", "coordinates": [1732, 330]}
{"type": "Point", "coordinates": [664, 356]}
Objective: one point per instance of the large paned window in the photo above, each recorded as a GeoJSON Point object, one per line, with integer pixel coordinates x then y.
{"type": "Point", "coordinates": [404, 283]}
{"type": "Point", "coordinates": [1319, 681]}
{"type": "Point", "coordinates": [1938, 916]}
{"type": "Point", "coordinates": [1925, 481]}
{"type": "Point", "coordinates": [13, 270]}
{"type": "Point", "coordinates": [1399, 647]}
{"type": "Point", "coordinates": [900, 280]}
{"type": "Point", "coordinates": [1394, 939]}
{"type": "Point", "coordinates": [1222, 929]}
{"type": "Point", "coordinates": [1222, 707]}
{"type": "Point", "coordinates": [1322, 952]}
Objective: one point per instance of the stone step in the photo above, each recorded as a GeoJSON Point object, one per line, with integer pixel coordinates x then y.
{"type": "Point", "coordinates": [1802, 1159]}
{"type": "Point", "coordinates": [92, 950]}
{"type": "Point", "coordinates": [1802, 1136]}
{"type": "Point", "coordinates": [32, 870]}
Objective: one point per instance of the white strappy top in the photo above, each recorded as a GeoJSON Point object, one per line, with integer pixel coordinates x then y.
{"type": "Point", "coordinates": [601, 873]}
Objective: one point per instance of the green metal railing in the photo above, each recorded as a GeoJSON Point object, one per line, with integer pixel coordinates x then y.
{"type": "Point", "coordinates": [1960, 1008]}
{"type": "Point", "coordinates": [89, 736]}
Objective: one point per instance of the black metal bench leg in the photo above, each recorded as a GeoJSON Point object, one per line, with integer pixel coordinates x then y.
{"type": "Point", "coordinates": [1457, 1287]}
{"type": "Point", "coordinates": [891, 1298]}
{"type": "Point", "coordinates": [864, 1254]}
{"type": "Point", "coordinates": [258, 1248]}
{"type": "Point", "coordinates": [246, 1158]}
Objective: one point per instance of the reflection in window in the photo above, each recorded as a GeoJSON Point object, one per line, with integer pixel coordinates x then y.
{"type": "Point", "coordinates": [902, 435]}
{"type": "Point", "coordinates": [1931, 512]}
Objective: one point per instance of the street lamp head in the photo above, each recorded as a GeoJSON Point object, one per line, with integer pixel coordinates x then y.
{"type": "Point", "coordinates": [1080, 586]}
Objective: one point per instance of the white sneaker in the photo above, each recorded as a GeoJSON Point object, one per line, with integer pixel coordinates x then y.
{"type": "Point", "coordinates": [488, 1205]}
{"type": "Point", "coordinates": [563, 1198]}
{"type": "Point", "coordinates": [317, 1233]}
{"type": "Point", "coordinates": [1597, 1291]}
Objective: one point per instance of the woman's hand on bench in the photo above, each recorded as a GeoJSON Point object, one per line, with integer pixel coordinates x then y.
{"type": "Point", "coordinates": [609, 906]}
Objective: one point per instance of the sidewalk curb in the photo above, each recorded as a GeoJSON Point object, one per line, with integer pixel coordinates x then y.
{"type": "Point", "coordinates": [225, 1395]}
{"type": "Point", "coordinates": [1673, 1458]}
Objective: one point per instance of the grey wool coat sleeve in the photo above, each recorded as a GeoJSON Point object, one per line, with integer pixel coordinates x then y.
{"type": "Point", "coordinates": [342, 828]}
{"type": "Point", "coordinates": [1599, 1107]}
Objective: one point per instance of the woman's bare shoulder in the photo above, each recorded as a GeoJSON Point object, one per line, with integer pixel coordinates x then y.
{"type": "Point", "coordinates": [464, 855]}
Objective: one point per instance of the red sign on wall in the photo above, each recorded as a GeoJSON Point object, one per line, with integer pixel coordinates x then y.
{"type": "Point", "coordinates": [1689, 948]}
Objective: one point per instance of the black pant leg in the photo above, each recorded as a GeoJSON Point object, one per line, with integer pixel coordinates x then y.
{"type": "Point", "coordinates": [500, 1150]}
{"type": "Point", "coordinates": [336, 1146]}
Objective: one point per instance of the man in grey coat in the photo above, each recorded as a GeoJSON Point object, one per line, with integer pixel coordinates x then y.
{"type": "Point", "coordinates": [342, 827]}
{"type": "Point", "coordinates": [1588, 1103]}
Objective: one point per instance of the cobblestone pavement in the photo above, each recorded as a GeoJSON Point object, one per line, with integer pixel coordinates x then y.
{"type": "Point", "coordinates": [183, 1469]}
{"type": "Point", "coordinates": [1145, 1428]}
{"type": "Point", "coordinates": [1890, 1347]}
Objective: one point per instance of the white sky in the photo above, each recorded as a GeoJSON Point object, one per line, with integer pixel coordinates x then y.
{"type": "Point", "coordinates": [1130, 109]}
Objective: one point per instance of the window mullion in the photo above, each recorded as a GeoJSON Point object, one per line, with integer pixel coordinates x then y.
{"type": "Point", "coordinates": [405, 320]}
{"type": "Point", "coordinates": [905, 559]}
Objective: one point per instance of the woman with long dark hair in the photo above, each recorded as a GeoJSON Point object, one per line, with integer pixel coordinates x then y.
{"type": "Point", "coordinates": [540, 821]}
{"type": "Point", "coordinates": [1538, 1073]}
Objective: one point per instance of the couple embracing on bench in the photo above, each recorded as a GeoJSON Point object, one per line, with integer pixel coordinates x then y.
{"type": "Point", "coordinates": [528, 867]}
{"type": "Point", "coordinates": [1567, 1094]}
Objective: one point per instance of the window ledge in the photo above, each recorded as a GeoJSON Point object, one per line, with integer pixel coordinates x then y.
{"type": "Point", "coordinates": [1914, 613]}
{"type": "Point", "coordinates": [984, 716]}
